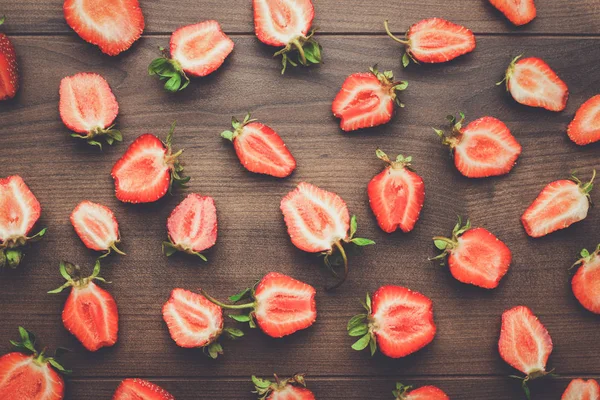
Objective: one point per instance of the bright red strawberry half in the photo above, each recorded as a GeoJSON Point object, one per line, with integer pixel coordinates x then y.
{"type": "Point", "coordinates": [139, 389]}
{"type": "Point", "coordinates": [88, 107]}
{"type": "Point", "coordinates": [90, 313]}
{"type": "Point", "coordinates": [195, 322]}
{"type": "Point", "coordinates": [519, 12]}
{"type": "Point", "coordinates": [585, 127]}
{"type": "Point", "coordinates": [396, 194]}
{"type": "Point", "coordinates": [19, 211]}
{"type": "Point", "coordinates": [318, 222]}
{"type": "Point", "coordinates": [559, 205]}
{"type": "Point", "coordinates": [293, 388]}
{"type": "Point", "coordinates": [398, 321]}
{"type": "Point", "coordinates": [192, 226]}
{"type": "Point", "coordinates": [434, 40]}
{"type": "Point", "coordinates": [524, 344]}
{"type": "Point", "coordinates": [280, 305]}
{"type": "Point", "coordinates": [9, 69]}
{"type": "Point", "coordinates": [286, 23]}
{"type": "Point", "coordinates": [259, 148]}
{"type": "Point", "coordinates": [475, 256]}
{"type": "Point", "coordinates": [580, 389]}
{"type": "Point", "coordinates": [533, 83]}
{"type": "Point", "coordinates": [367, 99]}
{"type": "Point", "coordinates": [483, 148]}
{"type": "Point", "coordinates": [30, 377]}
{"type": "Point", "coordinates": [112, 25]}
{"type": "Point", "coordinates": [148, 170]}
{"type": "Point", "coordinates": [586, 282]}
{"type": "Point", "coordinates": [196, 50]}
{"type": "Point", "coordinates": [404, 392]}
{"type": "Point", "coordinates": [96, 226]}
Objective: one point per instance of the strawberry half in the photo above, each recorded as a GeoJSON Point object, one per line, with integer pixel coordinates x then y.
{"type": "Point", "coordinates": [30, 377]}
{"type": "Point", "coordinates": [139, 389]}
{"type": "Point", "coordinates": [396, 194]}
{"type": "Point", "coordinates": [483, 148]}
{"type": "Point", "coordinates": [148, 170]}
{"type": "Point", "coordinates": [524, 344]}
{"type": "Point", "coordinates": [367, 99]}
{"type": "Point", "coordinates": [475, 256]}
{"type": "Point", "coordinates": [434, 40]}
{"type": "Point", "coordinates": [195, 322]}
{"type": "Point", "coordinates": [88, 106]}
{"type": "Point", "coordinates": [519, 12]}
{"type": "Point", "coordinates": [586, 282]}
{"type": "Point", "coordinates": [97, 227]}
{"type": "Point", "coordinates": [318, 222]}
{"type": "Point", "coordinates": [403, 392]}
{"type": "Point", "coordinates": [585, 127]}
{"type": "Point", "coordinates": [9, 69]}
{"type": "Point", "coordinates": [533, 83]}
{"type": "Point", "coordinates": [580, 389]}
{"type": "Point", "coordinates": [192, 226]}
{"type": "Point", "coordinates": [196, 50]}
{"type": "Point", "coordinates": [286, 23]}
{"type": "Point", "coordinates": [19, 211]}
{"type": "Point", "coordinates": [560, 204]}
{"type": "Point", "coordinates": [280, 305]}
{"type": "Point", "coordinates": [398, 321]}
{"type": "Point", "coordinates": [293, 388]}
{"type": "Point", "coordinates": [112, 25]}
{"type": "Point", "coordinates": [90, 313]}
{"type": "Point", "coordinates": [259, 148]}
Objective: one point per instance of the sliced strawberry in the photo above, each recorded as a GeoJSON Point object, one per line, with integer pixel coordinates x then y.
{"type": "Point", "coordinates": [434, 40]}
{"type": "Point", "coordinates": [519, 12]}
{"type": "Point", "coordinates": [9, 68]}
{"type": "Point", "coordinates": [585, 127]}
{"type": "Point", "coordinates": [259, 148]}
{"type": "Point", "coordinates": [96, 226]}
{"type": "Point", "coordinates": [580, 389]}
{"type": "Point", "coordinates": [398, 321]}
{"type": "Point", "coordinates": [318, 222]}
{"type": "Point", "coordinates": [90, 313]}
{"type": "Point", "coordinates": [196, 50]}
{"type": "Point", "coordinates": [367, 99]}
{"type": "Point", "coordinates": [193, 321]}
{"type": "Point", "coordinates": [112, 25]}
{"type": "Point", "coordinates": [560, 204]}
{"type": "Point", "coordinates": [19, 211]}
{"type": "Point", "coordinates": [147, 170]}
{"type": "Point", "coordinates": [533, 83]}
{"type": "Point", "coordinates": [403, 392]}
{"type": "Point", "coordinates": [286, 23]}
{"type": "Point", "coordinates": [396, 194]}
{"type": "Point", "coordinates": [483, 148]}
{"type": "Point", "coordinates": [475, 256]}
{"type": "Point", "coordinates": [30, 377]}
{"type": "Point", "coordinates": [524, 343]}
{"type": "Point", "coordinates": [293, 388]}
{"type": "Point", "coordinates": [192, 226]}
{"type": "Point", "coordinates": [139, 389]}
{"type": "Point", "coordinates": [88, 106]}
{"type": "Point", "coordinates": [586, 282]}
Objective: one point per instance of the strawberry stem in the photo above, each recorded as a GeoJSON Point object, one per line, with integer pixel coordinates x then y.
{"type": "Point", "coordinates": [300, 49]}
{"type": "Point", "coordinates": [345, 258]}
{"type": "Point", "coordinates": [390, 34]}
{"type": "Point", "coordinates": [116, 249]}
{"type": "Point", "coordinates": [228, 306]}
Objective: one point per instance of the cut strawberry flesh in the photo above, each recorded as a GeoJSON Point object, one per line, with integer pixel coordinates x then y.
{"type": "Point", "coordinates": [426, 393]}
{"type": "Point", "coordinates": [585, 127]}
{"type": "Point", "coordinates": [436, 40]}
{"type": "Point", "coordinates": [586, 284]}
{"type": "Point", "coordinates": [140, 389]}
{"type": "Point", "coordinates": [519, 12]}
{"type": "Point", "coordinates": [96, 225]}
{"type": "Point", "coordinates": [9, 70]}
{"type": "Point", "coordinates": [193, 223]}
{"type": "Point", "coordinates": [22, 379]}
{"type": "Point", "coordinates": [580, 389]}
{"type": "Point", "coordinates": [278, 22]}
{"type": "Point", "coordinates": [19, 208]}
{"type": "Point", "coordinates": [290, 392]}
{"type": "Point", "coordinates": [532, 82]}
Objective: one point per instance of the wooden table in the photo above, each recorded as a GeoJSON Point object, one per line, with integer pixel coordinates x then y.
{"type": "Point", "coordinates": [463, 359]}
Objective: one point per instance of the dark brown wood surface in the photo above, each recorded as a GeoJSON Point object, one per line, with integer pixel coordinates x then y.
{"type": "Point", "coordinates": [463, 359]}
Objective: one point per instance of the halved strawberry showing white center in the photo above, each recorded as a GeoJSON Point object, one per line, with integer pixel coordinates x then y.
{"type": "Point", "coordinates": [585, 127]}
{"type": "Point", "coordinates": [367, 99]}
{"type": "Point", "coordinates": [559, 205]}
{"type": "Point", "coordinates": [519, 12]}
{"type": "Point", "coordinates": [586, 282]}
{"type": "Point", "coordinates": [580, 389]}
{"type": "Point", "coordinates": [483, 148]}
{"type": "Point", "coordinates": [96, 226]}
{"type": "Point", "coordinates": [293, 388]}
{"type": "Point", "coordinates": [404, 392]}
{"type": "Point", "coordinates": [140, 389]}
{"type": "Point", "coordinates": [192, 226]}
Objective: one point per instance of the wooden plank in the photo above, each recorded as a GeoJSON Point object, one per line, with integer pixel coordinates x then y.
{"type": "Point", "coordinates": [253, 239]}
{"type": "Point", "coordinates": [349, 16]}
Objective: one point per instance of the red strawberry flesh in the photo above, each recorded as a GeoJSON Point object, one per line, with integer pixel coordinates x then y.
{"type": "Point", "coordinates": [9, 69]}
{"type": "Point", "coordinates": [23, 378]}
{"type": "Point", "coordinates": [278, 22]}
{"type": "Point", "coordinates": [580, 389]}
{"type": "Point", "coordinates": [519, 12]}
{"type": "Point", "coordinates": [586, 283]}
{"type": "Point", "coordinates": [140, 389]}
{"type": "Point", "coordinates": [19, 209]}
{"type": "Point", "coordinates": [96, 225]}
{"type": "Point", "coordinates": [192, 225]}
{"type": "Point", "coordinates": [585, 127]}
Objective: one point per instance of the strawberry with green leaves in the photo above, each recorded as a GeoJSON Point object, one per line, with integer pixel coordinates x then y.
{"type": "Point", "coordinates": [586, 281]}
{"type": "Point", "coordinates": [404, 392]}
{"type": "Point", "coordinates": [293, 388]}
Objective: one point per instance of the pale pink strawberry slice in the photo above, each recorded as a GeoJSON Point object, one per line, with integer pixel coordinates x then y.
{"type": "Point", "coordinates": [96, 226]}
{"type": "Point", "coordinates": [580, 389]}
